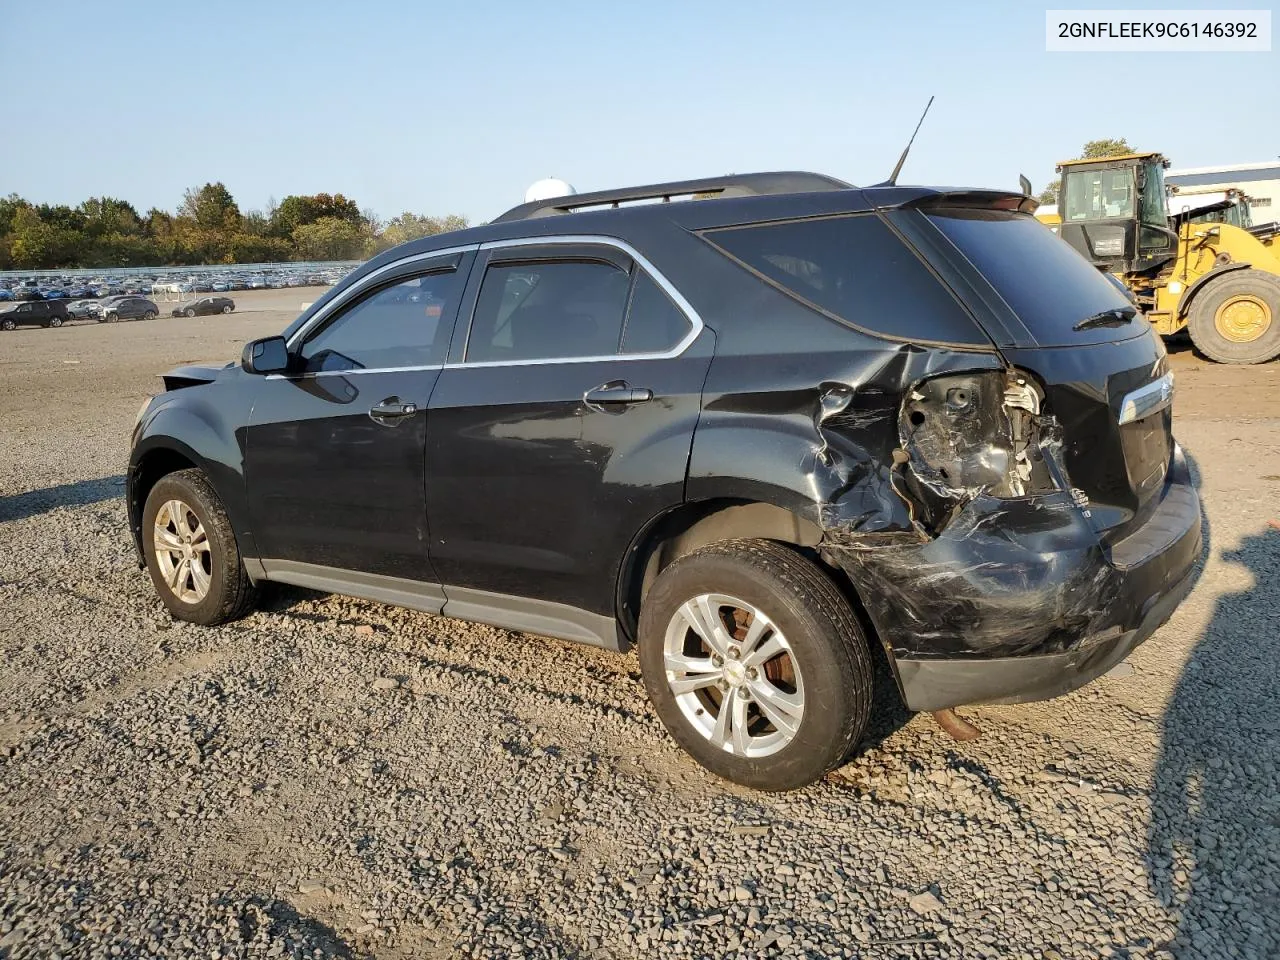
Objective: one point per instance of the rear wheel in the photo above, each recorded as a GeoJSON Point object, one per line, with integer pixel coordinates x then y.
{"type": "Point", "coordinates": [7, 324]}
{"type": "Point", "coordinates": [149, 315]}
{"type": "Point", "coordinates": [191, 552]}
{"type": "Point", "coordinates": [755, 663]}
{"type": "Point", "coordinates": [227, 309]}
{"type": "Point", "coordinates": [1236, 318]}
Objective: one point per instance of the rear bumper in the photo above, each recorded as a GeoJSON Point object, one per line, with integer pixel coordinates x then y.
{"type": "Point", "coordinates": [1020, 600]}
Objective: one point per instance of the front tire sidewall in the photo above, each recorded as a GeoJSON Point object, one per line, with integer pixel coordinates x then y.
{"type": "Point", "coordinates": [226, 309]}
{"type": "Point", "coordinates": [827, 730]}
{"type": "Point", "coordinates": [188, 313]}
{"type": "Point", "coordinates": [180, 487]}
{"type": "Point", "coordinates": [1204, 310]}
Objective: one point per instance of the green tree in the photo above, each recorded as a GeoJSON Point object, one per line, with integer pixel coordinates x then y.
{"type": "Point", "coordinates": [330, 238]}
{"type": "Point", "coordinates": [211, 207]}
{"type": "Point", "coordinates": [300, 211]}
{"type": "Point", "coordinates": [103, 215]}
{"type": "Point", "coordinates": [1100, 149]}
{"type": "Point", "coordinates": [411, 226]}
{"type": "Point", "coordinates": [1050, 192]}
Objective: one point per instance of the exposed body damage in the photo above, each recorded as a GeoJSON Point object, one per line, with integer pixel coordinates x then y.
{"type": "Point", "coordinates": [991, 553]}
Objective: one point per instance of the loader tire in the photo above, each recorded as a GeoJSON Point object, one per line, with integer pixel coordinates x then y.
{"type": "Point", "coordinates": [1236, 318]}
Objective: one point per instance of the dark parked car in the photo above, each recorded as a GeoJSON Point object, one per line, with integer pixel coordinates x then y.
{"type": "Point", "coordinates": [128, 308]}
{"type": "Point", "coordinates": [205, 305]}
{"type": "Point", "coordinates": [760, 436]}
{"type": "Point", "coordinates": [35, 313]}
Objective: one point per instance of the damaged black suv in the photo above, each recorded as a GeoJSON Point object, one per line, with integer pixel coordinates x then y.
{"type": "Point", "coordinates": [759, 435]}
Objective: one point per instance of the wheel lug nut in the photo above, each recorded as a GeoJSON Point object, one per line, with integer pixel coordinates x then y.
{"type": "Point", "coordinates": [751, 673]}
{"type": "Point", "coordinates": [718, 660]}
{"type": "Point", "coordinates": [734, 653]}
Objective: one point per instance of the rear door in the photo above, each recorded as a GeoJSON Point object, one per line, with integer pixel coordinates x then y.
{"type": "Point", "coordinates": [334, 450]}
{"type": "Point", "coordinates": [563, 422]}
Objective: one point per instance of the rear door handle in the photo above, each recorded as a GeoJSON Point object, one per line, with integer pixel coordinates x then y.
{"type": "Point", "coordinates": [391, 411]}
{"type": "Point", "coordinates": [615, 393]}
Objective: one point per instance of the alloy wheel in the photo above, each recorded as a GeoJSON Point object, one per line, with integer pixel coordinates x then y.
{"type": "Point", "coordinates": [733, 675]}
{"type": "Point", "coordinates": [183, 553]}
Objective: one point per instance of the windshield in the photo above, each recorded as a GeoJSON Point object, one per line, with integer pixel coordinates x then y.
{"type": "Point", "coordinates": [1155, 198]}
{"type": "Point", "coordinates": [1043, 280]}
{"type": "Point", "coordinates": [1096, 194]}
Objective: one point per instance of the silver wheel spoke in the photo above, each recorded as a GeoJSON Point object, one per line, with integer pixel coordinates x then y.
{"type": "Point", "coordinates": [199, 579]}
{"type": "Point", "coordinates": [703, 616]}
{"type": "Point", "coordinates": [198, 539]}
{"type": "Point", "coordinates": [784, 710]}
{"type": "Point", "coordinates": [739, 721]}
{"type": "Point", "coordinates": [724, 719]}
{"type": "Point", "coordinates": [178, 575]}
{"type": "Point", "coordinates": [167, 539]}
{"type": "Point", "coordinates": [686, 674]}
{"type": "Point", "coordinates": [765, 652]}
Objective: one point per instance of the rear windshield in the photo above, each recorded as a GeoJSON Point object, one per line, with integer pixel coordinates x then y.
{"type": "Point", "coordinates": [1045, 282]}
{"type": "Point", "coordinates": [856, 270]}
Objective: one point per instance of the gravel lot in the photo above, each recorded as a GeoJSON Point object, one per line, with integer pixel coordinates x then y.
{"type": "Point", "coordinates": [331, 777]}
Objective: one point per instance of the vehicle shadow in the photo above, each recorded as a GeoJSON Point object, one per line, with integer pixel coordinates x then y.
{"type": "Point", "coordinates": [22, 505]}
{"type": "Point", "coordinates": [1212, 839]}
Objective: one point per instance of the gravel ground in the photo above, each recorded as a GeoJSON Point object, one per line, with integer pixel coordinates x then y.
{"type": "Point", "coordinates": [330, 777]}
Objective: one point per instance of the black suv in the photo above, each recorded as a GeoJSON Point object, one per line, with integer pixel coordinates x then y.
{"type": "Point", "coordinates": [128, 308]}
{"type": "Point", "coordinates": [35, 313]}
{"type": "Point", "coordinates": [757, 435]}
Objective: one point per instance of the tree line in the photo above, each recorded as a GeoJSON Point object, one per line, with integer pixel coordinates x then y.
{"type": "Point", "coordinates": [208, 227]}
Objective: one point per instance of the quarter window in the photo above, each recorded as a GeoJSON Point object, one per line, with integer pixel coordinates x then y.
{"type": "Point", "coordinates": [548, 310]}
{"type": "Point", "coordinates": [403, 325]}
{"type": "Point", "coordinates": [654, 323]}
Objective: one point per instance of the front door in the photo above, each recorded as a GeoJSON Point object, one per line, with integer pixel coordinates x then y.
{"type": "Point", "coordinates": [563, 423]}
{"type": "Point", "coordinates": [334, 450]}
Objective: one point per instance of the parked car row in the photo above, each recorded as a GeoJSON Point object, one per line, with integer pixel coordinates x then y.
{"type": "Point", "coordinates": [71, 288]}
{"type": "Point", "coordinates": [54, 313]}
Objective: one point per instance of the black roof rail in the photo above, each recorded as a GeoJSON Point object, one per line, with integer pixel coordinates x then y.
{"type": "Point", "coordinates": [734, 185]}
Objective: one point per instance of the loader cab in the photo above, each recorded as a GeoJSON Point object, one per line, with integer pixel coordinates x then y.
{"type": "Point", "coordinates": [1115, 212]}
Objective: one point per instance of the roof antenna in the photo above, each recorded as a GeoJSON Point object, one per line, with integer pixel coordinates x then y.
{"type": "Point", "coordinates": [893, 177]}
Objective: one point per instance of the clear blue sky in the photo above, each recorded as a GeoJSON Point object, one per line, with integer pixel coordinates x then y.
{"type": "Point", "coordinates": [456, 107]}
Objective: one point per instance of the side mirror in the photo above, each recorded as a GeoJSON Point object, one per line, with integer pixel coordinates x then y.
{"type": "Point", "coordinates": [268, 355]}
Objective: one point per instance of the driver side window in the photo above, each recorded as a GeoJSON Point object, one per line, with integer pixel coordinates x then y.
{"type": "Point", "coordinates": [404, 324]}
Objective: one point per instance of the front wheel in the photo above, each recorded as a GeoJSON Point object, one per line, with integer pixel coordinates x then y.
{"type": "Point", "coordinates": [55, 321]}
{"type": "Point", "coordinates": [191, 551]}
{"type": "Point", "coordinates": [755, 663]}
{"type": "Point", "coordinates": [1236, 318]}
{"type": "Point", "coordinates": [7, 324]}
{"type": "Point", "coordinates": [227, 308]}
{"type": "Point", "coordinates": [188, 312]}
{"type": "Point", "coordinates": [149, 315]}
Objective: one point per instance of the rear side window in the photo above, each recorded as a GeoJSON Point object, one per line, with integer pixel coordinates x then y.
{"type": "Point", "coordinates": [856, 270]}
{"type": "Point", "coordinates": [548, 310]}
{"type": "Point", "coordinates": [1043, 280]}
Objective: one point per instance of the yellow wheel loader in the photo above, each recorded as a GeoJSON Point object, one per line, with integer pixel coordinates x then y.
{"type": "Point", "coordinates": [1216, 280]}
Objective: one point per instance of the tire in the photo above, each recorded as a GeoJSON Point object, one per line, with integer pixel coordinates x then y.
{"type": "Point", "coordinates": [826, 667]}
{"type": "Point", "coordinates": [1236, 318]}
{"type": "Point", "coordinates": [55, 322]}
{"type": "Point", "coordinates": [227, 309]}
{"type": "Point", "coordinates": [7, 324]}
{"type": "Point", "coordinates": [149, 315]}
{"type": "Point", "coordinates": [228, 593]}
{"type": "Point", "coordinates": [188, 312]}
